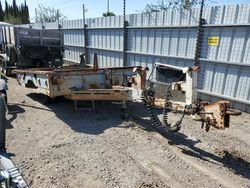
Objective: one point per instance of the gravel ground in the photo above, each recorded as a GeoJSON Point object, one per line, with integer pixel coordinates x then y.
{"type": "Point", "coordinates": [56, 146]}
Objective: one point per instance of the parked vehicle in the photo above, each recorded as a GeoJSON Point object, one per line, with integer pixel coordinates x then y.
{"type": "Point", "coordinates": [29, 48]}
{"type": "Point", "coordinates": [3, 89]}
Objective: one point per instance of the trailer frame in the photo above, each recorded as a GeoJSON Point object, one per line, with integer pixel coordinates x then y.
{"type": "Point", "coordinates": [86, 84]}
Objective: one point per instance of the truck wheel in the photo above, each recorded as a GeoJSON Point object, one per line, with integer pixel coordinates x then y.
{"type": "Point", "coordinates": [4, 70]}
{"type": "Point", "coordinates": [26, 62]}
{"type": "Point", "coordinates": [12, 55]}
{"type": "Point", "coordinates": [7, 71]}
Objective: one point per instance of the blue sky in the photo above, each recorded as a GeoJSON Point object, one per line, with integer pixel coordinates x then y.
{"type": "Point", "coordinates": [72, 9]}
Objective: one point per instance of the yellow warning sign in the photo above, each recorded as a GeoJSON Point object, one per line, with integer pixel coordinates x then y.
{"type": "Point", "coordinates": [213, 41]}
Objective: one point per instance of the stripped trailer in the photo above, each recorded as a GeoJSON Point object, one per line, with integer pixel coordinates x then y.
{"type": "Point", "coordinates": [75, 83]}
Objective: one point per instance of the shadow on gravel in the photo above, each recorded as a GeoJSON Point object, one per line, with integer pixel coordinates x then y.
{"type": "Point", "coordinates": [30, 106]}
{"type": "Point", "coordinates": [107, 115]}
{"type": "Point", "coordinates": [13, 111]}
{"type": "Point", "coordinates": [230, 160]}
{"type": "Point", "coordinates": [90, 121]}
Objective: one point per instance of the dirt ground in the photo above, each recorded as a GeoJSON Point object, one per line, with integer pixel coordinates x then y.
{"type": "Point", "coordinates": [56, 146]}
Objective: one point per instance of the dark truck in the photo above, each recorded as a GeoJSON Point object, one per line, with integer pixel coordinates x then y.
{"type": "Point", "coordinates": [29, 48]}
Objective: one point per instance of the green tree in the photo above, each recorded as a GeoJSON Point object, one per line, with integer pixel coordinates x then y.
{"type": "Point", "coordinates": [11, 11]}
{"type": "Point", "coordinates": [15, 8]}
{"type": "Point", "coordinates": [106, 14]}
{"type": "Point", "coordinates": [1, 13]}
{"type": "Point", "coordinates": [6, 12]}
{"type": "Point", "coordinates": [15, 14]}
{"type": "Point", "coordinates": [22, 13]}
{"type": "Point", "coordinates": [26, 13]}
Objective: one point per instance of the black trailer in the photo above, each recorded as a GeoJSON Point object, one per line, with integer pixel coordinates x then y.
{"type": "Point", "coordinates": [29, 48]}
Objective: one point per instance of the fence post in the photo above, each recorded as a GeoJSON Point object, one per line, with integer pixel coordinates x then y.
{"type": "Point", "coordinates": [86, 43]}
{"type": "Point", "coordinates": [125, 36]}
{"type": "Point", "coordinates": [85, 33]}
{"type": "Point", "coordinates": [199, 37]}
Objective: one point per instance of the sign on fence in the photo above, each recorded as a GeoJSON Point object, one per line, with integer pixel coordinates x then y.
{"type": "Point", "coordinates": [213, 41]}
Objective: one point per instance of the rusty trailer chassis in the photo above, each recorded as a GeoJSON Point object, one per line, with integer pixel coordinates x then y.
{"type": "Point", "coordinates": [90, 84]}
{"type": "Point", "coordinates": [129, 84]}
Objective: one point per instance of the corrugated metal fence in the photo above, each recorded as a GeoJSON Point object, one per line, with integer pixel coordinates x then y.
{"type": "Point", "coordinates": [170, 37]}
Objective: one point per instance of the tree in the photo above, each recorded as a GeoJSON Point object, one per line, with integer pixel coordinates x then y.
{"type": "Point", "coordinates": [21, 13]}
{"type": "Point", "coordinates": [15, 8]}
{"type": "Point", "coordinates": [163, 5]}
{"type": "Point", "coordinates": [26, 16]}
{"type": "Point", "coordinates": [1, 13]}
{"type": "Point", "coordinates": [108, 14]}
{"type": "Point", "coordinates": [47, 14]}
{"type": "Point", "coordinates": [11, 11]}
{"type": "Point", "coordinates": [15, 14]}
{"type": "Point", "coordinates": [6, 12]}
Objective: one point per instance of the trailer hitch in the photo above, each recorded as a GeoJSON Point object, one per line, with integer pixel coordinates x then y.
{"type": "Point", "coordinates": [233, 112]}
{"type": "Point", "coordinates": [214, 114]}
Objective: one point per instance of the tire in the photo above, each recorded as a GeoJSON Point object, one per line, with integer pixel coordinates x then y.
{"type": "Point", "coordinates": [4, 70]}
{"type": "Point", "coordinates": [12, 54]}
{"type": "Point", "coordinates": [26, 62]}
{"type": "Point", "coordinates": [7, 72]}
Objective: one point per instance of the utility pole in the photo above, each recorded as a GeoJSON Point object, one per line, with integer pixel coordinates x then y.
{"type": "Point", "coordinates": [58, 18]}
{"type": "Point", "coordinates": [36, 15]}
{"type": "Point", "coordinates": [83, 15]}
{"type": "Point", "coordinates": [107, 6]}
{"type": "Point", "coordinates": [85, 35]}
